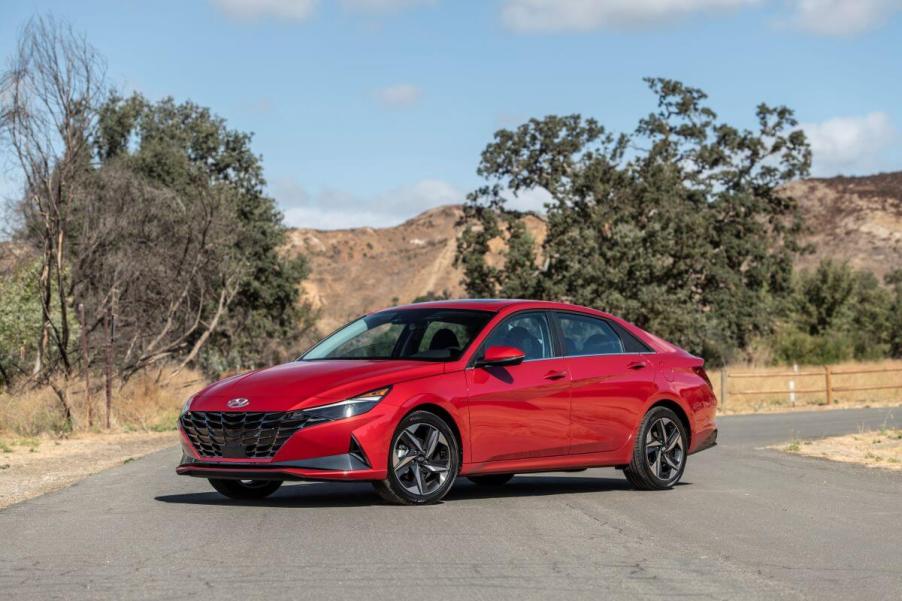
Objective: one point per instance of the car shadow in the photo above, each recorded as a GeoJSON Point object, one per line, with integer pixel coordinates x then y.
{"type": "Point", "coordinates": [340, 494]}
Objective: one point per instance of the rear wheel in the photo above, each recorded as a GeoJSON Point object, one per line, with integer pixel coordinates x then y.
{"type": "Point", "coordinates": [659, 456]}
{"type": "Point", "coordinates": [491, 479]}
{"type": "Point", "coordinates": [423, 461]}
{"type": "Point", "coordinates": [246, 489]}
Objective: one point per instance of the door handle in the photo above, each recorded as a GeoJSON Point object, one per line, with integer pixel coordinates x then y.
{"type": "Point", "coordinates": [555, 375]}
{"type": "Point", "coordinates": [637, 365]}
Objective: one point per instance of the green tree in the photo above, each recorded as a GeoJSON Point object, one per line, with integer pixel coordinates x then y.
{"type": "Point", "coordinates": [894, 318]}
{"type": "Point", "coordinates": [678, 226]}
{"type": "Point", "coordinates": [185, 149]}
{"type": "Point", "coordinates": [836, 314]}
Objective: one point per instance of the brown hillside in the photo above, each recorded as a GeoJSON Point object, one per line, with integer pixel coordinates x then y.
{"type": "Point", "coordinates": [358, 270]}
{"type": "Point", "coordinates": [854, 219]}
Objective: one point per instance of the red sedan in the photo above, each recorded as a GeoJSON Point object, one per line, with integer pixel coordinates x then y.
{"type": "Point", "coordinates": [412, 397]}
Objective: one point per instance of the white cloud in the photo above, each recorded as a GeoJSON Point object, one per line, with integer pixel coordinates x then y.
{"type": "Point", "coordinates": [850, 145]}
{"type": "Point", "coordinates": [399, 96]}
{"type": "Point", "coordinates": [533, 199]}
{"type": "Point", "coordinates": [543, 16]}
{"type": "Point", "coordinates": [296, 10]}
{"type": "Point", "coordinates": [382, 6]}
{"type": "Point", "coordinates": [336, 209]}
{"type": "Point", "coordinates": [841, 17]}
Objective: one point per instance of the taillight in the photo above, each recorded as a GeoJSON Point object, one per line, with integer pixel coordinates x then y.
{"type": "Point", "coordinates": [701, 373]}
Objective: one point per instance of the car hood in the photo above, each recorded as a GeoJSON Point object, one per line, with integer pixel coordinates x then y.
{"type": "Point", "coordinates": [302, 384]}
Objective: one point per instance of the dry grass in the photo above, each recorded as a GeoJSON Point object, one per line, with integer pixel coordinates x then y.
{"type": "Point", "coordinates": [882, 448]}
{"type": "Point", "coordinates": [148, 402]}
{"type": "Point", "coordinates": [769, 379]}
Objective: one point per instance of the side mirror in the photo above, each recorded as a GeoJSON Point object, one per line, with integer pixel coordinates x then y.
{"type": "Point", "coordinates": [499, 356]}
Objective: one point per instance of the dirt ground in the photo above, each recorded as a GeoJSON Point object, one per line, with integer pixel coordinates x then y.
{"type": "Point", "coordinates": [880, 449]}
{"type": "Point", "coordinates": [30, 467]}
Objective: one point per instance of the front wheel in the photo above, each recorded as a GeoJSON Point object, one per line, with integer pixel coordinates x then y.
{"type": "Point", "coordinates": [423, 461]}
{"type": "Point", "coordinates": [245, 489]}
{"type": "Point", "coordinates": [659, 456]}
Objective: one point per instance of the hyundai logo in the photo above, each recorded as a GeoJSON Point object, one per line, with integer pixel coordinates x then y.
{"type": "Point", "coordinates": [238, 403]}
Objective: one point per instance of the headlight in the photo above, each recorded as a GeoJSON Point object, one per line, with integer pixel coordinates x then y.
{"type": "Point", "coordinates": [349, 408]}
{"type": "Point", "coordinates": [186, 407]}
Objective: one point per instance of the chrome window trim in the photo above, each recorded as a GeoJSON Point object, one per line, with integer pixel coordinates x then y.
{"type": "Point", "coordinates": [607, 355]}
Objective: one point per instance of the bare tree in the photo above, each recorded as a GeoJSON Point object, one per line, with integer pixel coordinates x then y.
{"type": "Point", "coordinates": [49, 98]}
{"type": "Point", "coordinates": [168, 257]}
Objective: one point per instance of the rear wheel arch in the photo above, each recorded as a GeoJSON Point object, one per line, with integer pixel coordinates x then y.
{"type": "Point", "coordinates": [680, 412]}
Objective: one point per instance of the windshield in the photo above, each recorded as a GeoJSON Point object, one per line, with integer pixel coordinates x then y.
{"type": "Point", "coordinates": [420, 334]}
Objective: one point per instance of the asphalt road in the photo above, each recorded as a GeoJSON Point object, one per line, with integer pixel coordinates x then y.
{"type": "Point", "coordinates": [746, 523]}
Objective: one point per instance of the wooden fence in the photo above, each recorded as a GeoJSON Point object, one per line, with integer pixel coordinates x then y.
{"type": "Point", "coordinates": [824, 382]}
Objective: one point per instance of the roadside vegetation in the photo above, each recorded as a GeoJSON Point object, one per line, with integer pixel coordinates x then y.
{"type": "Point", "coordinates": [142, 245]}
{"type": "Point", "coordinates": [143, 256]}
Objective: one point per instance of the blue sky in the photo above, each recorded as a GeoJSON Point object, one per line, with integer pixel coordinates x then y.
{"type": "Point", "coordinates": [367, 112]}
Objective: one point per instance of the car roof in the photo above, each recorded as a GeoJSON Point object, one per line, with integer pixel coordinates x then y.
{"type": "Point", "coordinates": [495, 305]}
{"type": "Point", "coordinates": [508, 305]}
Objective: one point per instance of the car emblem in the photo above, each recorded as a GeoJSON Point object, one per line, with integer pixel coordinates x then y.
{"type": "Point", "coordinates": [238, 403]}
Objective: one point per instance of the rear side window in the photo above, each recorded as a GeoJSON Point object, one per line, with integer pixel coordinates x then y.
{"type": "Point", "coordinates": [631, 344]}
{"type": "Point", "coordinates": [584, 335]}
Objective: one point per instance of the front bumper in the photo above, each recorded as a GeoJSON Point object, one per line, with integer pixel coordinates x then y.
{"type": "Point", "coordinates": [355, 448]}
{"type": "Point", "coordinates": [347, 466]}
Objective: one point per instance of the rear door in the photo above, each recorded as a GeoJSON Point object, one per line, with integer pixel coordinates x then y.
{"type": "Point", "coordinates": [610, 381]}
{"type": "Point", "coordinates": [520, 411]}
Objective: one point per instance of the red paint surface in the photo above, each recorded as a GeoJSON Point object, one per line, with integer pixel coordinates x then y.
{"type": "Point", "coordinates": [557, 413]}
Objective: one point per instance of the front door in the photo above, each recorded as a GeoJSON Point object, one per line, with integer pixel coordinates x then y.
{"type": "Point", "coordinates": [520, 411]}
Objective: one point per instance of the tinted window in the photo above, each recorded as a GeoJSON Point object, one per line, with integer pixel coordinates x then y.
{"type": "Point", "coordinates": [528, 332]}
{"type": "Point", "coordinates": [631, 344]}
{"type": "Point", "coordinates": [585, 335]}
{"type": "Point", "coordinates": [423, 334]}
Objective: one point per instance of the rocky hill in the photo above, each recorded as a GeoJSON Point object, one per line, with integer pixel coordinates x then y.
{"type": "Point", "coordinates": [856, 219]}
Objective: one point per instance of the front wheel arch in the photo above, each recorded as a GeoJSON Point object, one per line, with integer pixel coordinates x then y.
{"type": "Point", "coordinates": [449, 419]}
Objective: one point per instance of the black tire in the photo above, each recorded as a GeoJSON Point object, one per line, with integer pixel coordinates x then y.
{"type": "Point", "coordinates": [415, 481]}
{"type": "Point", "coordinates": [246, 489]}
{"type": "Point", "coordinates": [652, 464]}
{"type": "Point", "coordinates": [491, 479]}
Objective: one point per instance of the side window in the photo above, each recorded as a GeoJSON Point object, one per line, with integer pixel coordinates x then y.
{"type": "Point", "coordinates": [528, 332]}
{"type": "Point", "coordinates": [631, 344]}
{"type": "Point", "coordinates": [584, 335]}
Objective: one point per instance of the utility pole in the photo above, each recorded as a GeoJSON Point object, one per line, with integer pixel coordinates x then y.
{"type": "Point", "coordinates": [85, 368]}
{"type": "Point", "coordinates": [111, 325]}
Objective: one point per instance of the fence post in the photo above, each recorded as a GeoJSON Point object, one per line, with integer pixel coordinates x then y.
{"type": "Point", "coordinates": [86, 371]}
{"type": "Point", "coordinates": [723, 387]}
{"type": "Point", "coordinates": [828, 380]}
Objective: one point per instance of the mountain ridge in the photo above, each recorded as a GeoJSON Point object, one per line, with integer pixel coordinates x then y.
{"type": "Point", "coordinates": [357, 270]}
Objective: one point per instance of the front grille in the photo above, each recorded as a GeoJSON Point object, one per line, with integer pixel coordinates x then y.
{"type": "Point", "coordinates": [240, 434]}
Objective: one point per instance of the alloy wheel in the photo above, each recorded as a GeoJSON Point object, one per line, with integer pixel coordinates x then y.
{"type": "Point", "coordinates": [664, 450]}
{"type": "Point", "coordinates": [421, 459]}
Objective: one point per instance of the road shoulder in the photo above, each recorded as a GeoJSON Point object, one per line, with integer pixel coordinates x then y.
{"type": "Point", "coordinates": [33, 467]}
